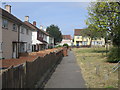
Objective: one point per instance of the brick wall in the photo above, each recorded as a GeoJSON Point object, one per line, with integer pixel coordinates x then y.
{"type": "Point", "coordinates": [29, 73]}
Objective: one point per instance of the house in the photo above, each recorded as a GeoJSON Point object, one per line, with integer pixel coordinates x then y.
{"type": "Point", "coordinates": [39, 37]}
{"type": "Point", "coordinates": [16, 36]}
{"type": "Point", "coordinates": [9, 33]}
{"type": "Point", "coordinates": [79, 40]}
{"type": "Point", "coordinates": [50, 40]}
{"type": "Point", "coordinates": [67, 39]}
{"type": "Point", "coordinates": [25, 37]}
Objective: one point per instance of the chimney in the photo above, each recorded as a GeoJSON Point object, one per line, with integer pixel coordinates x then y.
{"type": "Point", "coordinates": [41, 27]}
{"type": "Point", "coordinates": [45, 29]}
{"type": "Point", "coordinates": [27, 18]}
{"type": "Point", "coordinates": [8, 8]}
{"type": "Point", "coordinates": [34, 23]}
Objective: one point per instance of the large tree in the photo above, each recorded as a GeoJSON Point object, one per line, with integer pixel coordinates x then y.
{"type": "Point", "coordinates": [106, 17]}
{"type": "Point", "coordinates": [54, 31]}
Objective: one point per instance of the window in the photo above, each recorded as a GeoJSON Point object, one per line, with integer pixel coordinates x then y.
{"type": "Point", "coordinates": [27, 31]}
{"type": "Point", "coordinates": [22, 30]}
{"type": "Point", "coordinates": [28, 46]}
{"type": "Point", "coordinates": [14, 27]}
{"type": "Point", "coordinates": [0, 46]}
{"type": "Point", "coordinates": [5, 23]}
{"type": "Point", "coordinates": [77, 37]}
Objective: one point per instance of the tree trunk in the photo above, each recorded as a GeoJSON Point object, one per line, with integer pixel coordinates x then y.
{"type": "Point", "coordinates": [91, 42]}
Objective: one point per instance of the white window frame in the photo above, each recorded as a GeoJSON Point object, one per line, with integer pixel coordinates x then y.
{"type": "Point", "coordinates": [22, 30]}
{"type": "Point", "coordinates": [5, 23]}
{"type": "Point", "coordinates": [14, 27]}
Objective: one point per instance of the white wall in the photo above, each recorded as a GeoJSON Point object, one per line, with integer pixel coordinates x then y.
{"type": "Point", "coordinates": [34, 38]}
{"type": "Point", "coordinates": [69, 42]}
{"type": "Point", "coordinates": [24, 37]}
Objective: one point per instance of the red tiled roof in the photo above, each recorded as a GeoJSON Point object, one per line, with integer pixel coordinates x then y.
{"type": "Point", "coordinates": [77, 32]}
{"type": "Point", "coordinates": [67, 37]}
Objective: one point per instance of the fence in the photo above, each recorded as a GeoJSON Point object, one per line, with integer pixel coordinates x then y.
{"type": "Point", "coordinates": [28, 74]}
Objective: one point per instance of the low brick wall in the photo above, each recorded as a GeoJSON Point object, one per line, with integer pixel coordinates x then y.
{"type": "Point", "coordinates": [27, 75]}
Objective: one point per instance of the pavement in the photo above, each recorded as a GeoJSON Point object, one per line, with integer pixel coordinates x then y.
{"type": "Point", "coordinates": [67, 74]}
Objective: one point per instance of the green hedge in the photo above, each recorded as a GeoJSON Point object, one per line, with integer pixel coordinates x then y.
{"type": "Point", "coordinates": [114, 55]}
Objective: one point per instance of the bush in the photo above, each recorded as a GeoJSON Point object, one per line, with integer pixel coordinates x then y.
{"type": "Point", "coordinates": [58, 46]}
{"type": "Point", "coordinates": [50, 47]}
{"type": "Point", "coordinates": [66, 45]}
{"type": "Point", "coordinates": [114, 55]}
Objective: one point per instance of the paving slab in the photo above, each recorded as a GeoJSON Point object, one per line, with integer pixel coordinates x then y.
{"type": "Point", "coordinates": [67, 74]}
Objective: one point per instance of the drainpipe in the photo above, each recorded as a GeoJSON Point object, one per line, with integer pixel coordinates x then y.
{"type": "Point", "coordinates": [18, 39]}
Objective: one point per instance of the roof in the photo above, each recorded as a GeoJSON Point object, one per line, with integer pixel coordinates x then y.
{"type": "Point", "coordinates": [77, 32]}
{"type": "Point", "coordinates": [34, 27]}
{"type": "Point", "coordinates": [67, 37]}
{"type": "Point", "coordinates": [30, 25]}
{"type": "Point", "coordinates": [10, 16]}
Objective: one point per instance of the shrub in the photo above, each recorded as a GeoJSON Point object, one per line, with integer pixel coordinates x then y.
{"type": "Point", "coordinates": [66, 45]}
{"type": "Point", "coordinates": [58, 46]}
{"type": "Point", "coordinates": [114, 55]}
{"type": "Point", "coordinates": [50, 47]}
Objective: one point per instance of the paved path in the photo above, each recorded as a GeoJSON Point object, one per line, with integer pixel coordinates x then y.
{"type": "Point", "coordinates": [67, 74]}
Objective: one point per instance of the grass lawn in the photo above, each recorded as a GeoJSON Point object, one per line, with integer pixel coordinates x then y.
{"type": "Point", "coordinates": [95, 70]}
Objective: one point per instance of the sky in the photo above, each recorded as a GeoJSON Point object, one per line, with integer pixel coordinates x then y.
{"type": "Point", "coordinates": [66, 15]}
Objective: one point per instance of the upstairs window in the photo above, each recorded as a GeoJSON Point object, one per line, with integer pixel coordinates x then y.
{"type": "Point", "coordinates": [27, 31]}
{"type": "Point", "coordinates": [5, 23]}
{"type": "Point", "coordinates": [22, 30]}
{"type": "Point", "coordinates": [14, 27]}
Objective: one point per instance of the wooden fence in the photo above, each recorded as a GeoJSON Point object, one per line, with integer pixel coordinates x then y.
{"type": "Point", "coordinates": [28, 74]}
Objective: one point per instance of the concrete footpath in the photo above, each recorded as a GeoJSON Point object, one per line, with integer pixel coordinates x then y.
{"type": "Point", "coordinates": [67, 74]}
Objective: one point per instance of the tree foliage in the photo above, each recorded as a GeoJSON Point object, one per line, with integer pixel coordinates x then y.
{"type": "Point", "coordinates": [105, 17]}
{"type": "Point", "coordinates": [54, 31]}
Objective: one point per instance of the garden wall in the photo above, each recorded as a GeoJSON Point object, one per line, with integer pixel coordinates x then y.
{"type": "Point", "coordinates": [29, 73]}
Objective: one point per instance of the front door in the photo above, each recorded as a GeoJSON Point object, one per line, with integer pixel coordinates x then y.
{"type": "Point", "coordinates": [14, 50]}
{"type": "Point", "coordinates": [77, 43]}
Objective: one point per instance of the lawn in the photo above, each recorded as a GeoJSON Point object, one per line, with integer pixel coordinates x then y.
{"type": "Point", "coordinates": [96, 72]}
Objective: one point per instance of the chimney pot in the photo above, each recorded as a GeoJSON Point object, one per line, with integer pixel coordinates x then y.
{"type": "Point", "coordinates": [41, 27]}
{"type": "Point", "coordinates": [27, 18]}
{"type": "Point", "coordinates": [34, 23]}
{"type": "Point", "coordinates": [8, 8]}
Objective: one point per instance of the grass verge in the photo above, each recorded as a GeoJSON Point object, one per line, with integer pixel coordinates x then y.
{"type": "Point", "coordinates": [95, 70]}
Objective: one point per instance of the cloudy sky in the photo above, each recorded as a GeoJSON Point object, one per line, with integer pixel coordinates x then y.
{"type": "Point", "coordinates": [67, 15]}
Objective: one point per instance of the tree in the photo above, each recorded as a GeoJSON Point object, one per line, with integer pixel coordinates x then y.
{"type": "Point", "coordinates": [106, 17]}
{"type": "Point", "coordinates": [54, 31]}
{"type": "Point", "coordinates": [91, 32]}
